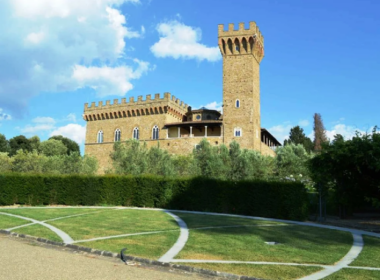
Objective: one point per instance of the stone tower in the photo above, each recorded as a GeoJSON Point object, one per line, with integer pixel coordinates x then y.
{"type": "Point", "coordinates": [242, 52]}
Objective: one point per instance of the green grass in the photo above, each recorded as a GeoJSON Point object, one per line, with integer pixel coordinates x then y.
{"type": "Point", "coordinates": [9, 222]}
{"type": "Point", "coordinates": [354, 274]}
{"type": "Point", "coordinates": [370, 255]}
{"type": "Point", "coordinates": [200, 220]}
{"type": "Point", "coordinates": [41, 214]}
{"type": "Point", "coordinates": [261, 271]}
{"type": "Point", "coordinates": [299, 244]}
{"type": "Point", "coordinates": [39, 231]}
{"type": "Point", "coordinates": [147, 246]}
{"type": "Point", "coordinates": [115, 222]}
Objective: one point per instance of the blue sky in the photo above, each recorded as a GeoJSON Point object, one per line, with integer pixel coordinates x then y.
{"type": "Point", "coordinates": [320, 57]}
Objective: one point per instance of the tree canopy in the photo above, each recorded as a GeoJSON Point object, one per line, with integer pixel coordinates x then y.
{"type": "Point", "coordinates": [4, 144]}
{"type": "Point", "coordinates": [297, 136]}
{"type": "Point", "coordinates": [53, 147]}
{"type": "Point", "coordinates": [71, 145]}
{"type": "Point", "coordinates": [19, 143]}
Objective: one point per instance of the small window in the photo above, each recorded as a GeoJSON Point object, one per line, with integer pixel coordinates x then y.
{"type": "Point", "coordinates": [117, 135]}
{"type": "Point", "coordinates": [136, 133]}
{"type": "Point", "coordinates": [100, 136]}
{"type": "Point", "coordinates": [155, 132]}
{"type": "Point", "coordinates": [237, 104]}
{"type": "Point", "coordinates": [238, 132]}
{"type": "Point", "coordinates": [198, 117]}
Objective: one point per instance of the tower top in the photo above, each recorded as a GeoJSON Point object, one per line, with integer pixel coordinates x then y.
{"type": "Point", "coordinates": [241, 41]}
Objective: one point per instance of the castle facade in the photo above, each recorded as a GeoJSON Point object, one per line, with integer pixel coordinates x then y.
{"type": "Point", "coordinates": [175, 125]}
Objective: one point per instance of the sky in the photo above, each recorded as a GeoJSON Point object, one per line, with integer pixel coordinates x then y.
{"type": "Point", "coordinates": [321, 56]}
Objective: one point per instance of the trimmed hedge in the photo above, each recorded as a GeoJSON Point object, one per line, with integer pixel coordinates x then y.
{"type": "Point", "coordinates": [283, 200]}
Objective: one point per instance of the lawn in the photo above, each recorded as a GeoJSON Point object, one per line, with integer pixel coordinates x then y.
{"type": "Point", "coordinates": [115, 222]}
{"type": "Point", "coordinates": [42, 214]}
{"type": "Point", "coordinates": [9, 222]}
{"type": "Point", "coordinates": [211, 237]}
{"type": "Point", "coordinates": [354, 274]}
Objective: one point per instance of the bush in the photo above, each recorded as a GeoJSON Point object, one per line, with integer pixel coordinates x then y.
{"type": "Point", "coordinates": [284, 200]}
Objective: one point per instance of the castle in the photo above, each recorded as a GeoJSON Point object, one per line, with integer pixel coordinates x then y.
{"type": "Point", "coordinates": [175, 125]}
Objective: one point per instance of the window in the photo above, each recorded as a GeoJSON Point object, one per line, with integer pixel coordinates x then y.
{"type": "Point", "coordinates": [100, 136]}
{"type": "Point", "coordinates": [237, 103]}
{"type": "Point", "coordinates": [136, 133]}
{"type": "Point", "coordinates": [155, 132]}
{"type": "Point", "coordinates": [117, 135]}
{"type": "Point", "coordinates": [238, 132]}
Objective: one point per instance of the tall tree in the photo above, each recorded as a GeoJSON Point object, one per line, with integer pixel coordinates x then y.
{"type": "Point", "coordinates": [53, 147]}
{"type": "Point", "coordinates": [19, 142]}
{"type": "Point", "coordinates": [297, 136]}
{"type": "Point", "coordinates": [319, 133]}
{"type": "Point", "coordinates": [35, 142]}
{"type": "Point", "coordinates": [4, 144]}
{"type": "Point", "coordinates": [71, 145]}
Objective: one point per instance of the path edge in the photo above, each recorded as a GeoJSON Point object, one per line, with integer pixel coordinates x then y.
{"type": "Point", "coordinates": [129, 258]}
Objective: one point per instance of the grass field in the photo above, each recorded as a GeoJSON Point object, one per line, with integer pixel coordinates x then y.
{"type": "Point", "coordinates": [211, 238]}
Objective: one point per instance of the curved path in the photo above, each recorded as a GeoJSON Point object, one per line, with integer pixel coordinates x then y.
{"type": "Point", "coordinates": [184, 235]}
{"type": "Point", "coordinates": [63, 235]}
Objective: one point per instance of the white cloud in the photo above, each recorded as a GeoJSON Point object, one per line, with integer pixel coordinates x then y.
{"type": "Point", "coordinates": [4, 116]}
{"type": "Point", "coordinates": [281, 132]}
{"type": "Point", "coordinates": [214, 106]}
{"type": "Point", "coordinates": [41, 124]}
{"type": "Point", "coordinates": [73, 131]}
{"type": "Point", "coordinates": [181, 41]}
{"type": "Point", "coordinates": [107, 80]}
{"type": "Point", "coordinates": [346, 131]}
{"type": "Point", "coordinates": [47, 39]}
{"type": "Point", "coordinates": [303, 123]}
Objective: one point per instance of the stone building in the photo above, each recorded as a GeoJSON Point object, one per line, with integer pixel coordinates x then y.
{"type": "Point", "coordinates": [175, 125]}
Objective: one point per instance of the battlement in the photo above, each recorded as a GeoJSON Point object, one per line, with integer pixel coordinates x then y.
{"type": "Point", "coordinates": [253, 30]}
{"type": "Point", "coordinates": [168, 99]}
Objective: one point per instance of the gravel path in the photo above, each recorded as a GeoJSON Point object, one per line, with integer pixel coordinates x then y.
{"type": "Point", "coordinates": [27, 261]}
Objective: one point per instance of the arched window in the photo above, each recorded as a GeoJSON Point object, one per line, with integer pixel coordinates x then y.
{"type": "Point", "coordinates": [117, 135]}
{"type": "Point", "coordinates": [238, 132]}
{"type": "Point", "coordinates": [136, 133]}
{"type": "Point", "coordinates": [237, 103]}
{"type": "Point", "coordinates": [155, 132]}
{"type": "Point", "coordinates": [100, 136]}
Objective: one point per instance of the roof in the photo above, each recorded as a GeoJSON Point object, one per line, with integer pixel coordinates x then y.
{"type": "Point", "coordinates": [273, 138]}
{"type": "Point", "coordinates": [195, 123]}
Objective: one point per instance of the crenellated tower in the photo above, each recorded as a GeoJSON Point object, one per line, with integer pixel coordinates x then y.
{"type": "Point", "coordinates": [242, 52]}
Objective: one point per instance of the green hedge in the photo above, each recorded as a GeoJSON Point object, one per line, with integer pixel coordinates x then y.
{"type": "Point", "coordinates": [284, 200]}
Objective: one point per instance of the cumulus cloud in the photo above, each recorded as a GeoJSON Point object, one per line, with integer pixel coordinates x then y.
{"type": "Point", "coordinates": [346, 131]}
{"type": "Point", "coordinates": [46, 41]}
{"type": "Point", "coordinates": [281, 132]}
{"type": "Point", "coordinates": [73, 131]}
{"type": "Point", "coordinates": [109, 80]}
{"type": "Point", "coordinates": [71, 118]}
{"type": "Point", "coordinates": [181, 41]}
{"type": "Point", "coordinates": [40, 124]}
{"type": "Point", "coordinates": [214, 106]}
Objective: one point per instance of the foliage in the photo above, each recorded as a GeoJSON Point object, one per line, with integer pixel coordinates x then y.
{"type": "Point", "coordinates": [71, 145]}
{"type": "Point", "coordinates": [291, 161]}
{"type": "Point", "coordinates": [351, 168]}
{"type": "Point", "coordinates": [19, 143]}
{"type": "Point", "coordinates": [5, 163]}
{"type": "Point", "coordinates": [129, 157]}
{"type": "Point", "coordinates": [297, 136]}
{"type": "Point", "coordinates": [4, 144]}
{"type": "Point", "coordinates": [52, 147]}
{"type": "Point", "coordinates": [35, 142]}
{"type": "Point", "coordinates": [285, 200]}
{"type": "Point", "coordinates": [319, 132]}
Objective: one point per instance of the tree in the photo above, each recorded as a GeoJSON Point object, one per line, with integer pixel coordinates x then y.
{"type": "Point", "coordinates": [19, 143]}
{"type": "Point", "coordinates": [53, 147]}
{"type": "Point", "coordinates": [35, 142]}
{"type": "Point", "coordinates": [207, 161]}
{"type": "Point", "coordinates": [4, 144]}
{"type": "Point", "coordinates": [319, 133]}
{"type": "Point", "coordinates": [351, 168]}
{"type": "Point", "coordinates": [297, 136]}
{"type": "Point", "coordinates": [71, 145]}
{"type": "Point", "coordinates": [129, 157]}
